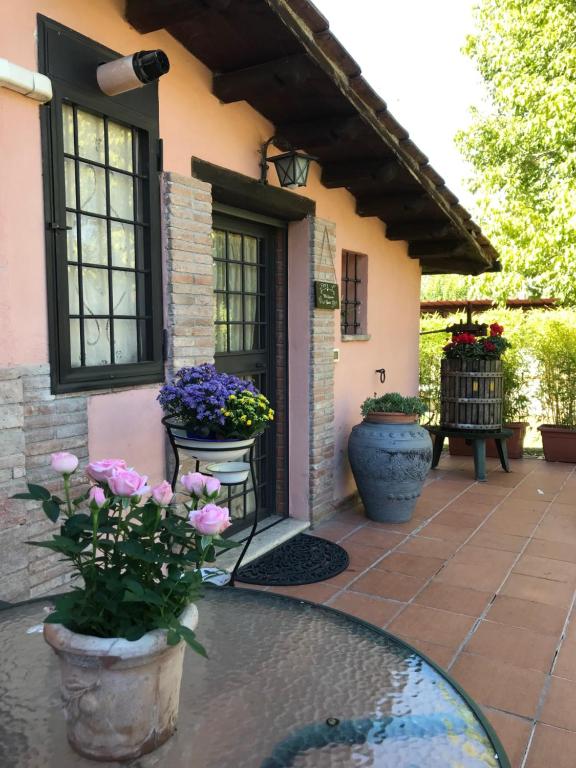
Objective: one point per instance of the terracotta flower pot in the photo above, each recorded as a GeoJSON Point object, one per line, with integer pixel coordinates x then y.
{"type": "Point", "coordinates": [559, 443]}
{"type": "Point", "coordinates": [120, 697]}
{"type": "Point", "coordinates": [515, 444]}
{"type": "Point", "coordinates": [391, 417]}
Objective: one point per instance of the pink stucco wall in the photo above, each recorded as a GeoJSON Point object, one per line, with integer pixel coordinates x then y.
{"type": "Point", "coordinates": [192, 122]}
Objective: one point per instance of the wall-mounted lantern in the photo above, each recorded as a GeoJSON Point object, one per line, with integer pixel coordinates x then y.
{"type": "Point", "coordinates": [291, 166]}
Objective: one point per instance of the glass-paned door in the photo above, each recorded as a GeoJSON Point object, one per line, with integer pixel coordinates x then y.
{"type": "Point", "coordinates": [244, 284]}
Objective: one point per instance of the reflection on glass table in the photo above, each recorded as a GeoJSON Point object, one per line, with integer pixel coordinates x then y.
{"type": "Point", "coordinates": [287, 685]}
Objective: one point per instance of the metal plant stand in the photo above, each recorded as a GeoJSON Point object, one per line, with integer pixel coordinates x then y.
{"type": "Point", "coordinates": [178, 446]}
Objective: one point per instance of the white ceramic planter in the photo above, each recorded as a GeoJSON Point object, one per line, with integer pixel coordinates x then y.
{"type": "Point", "coordinates": [120, 697]}
{"type": "Point", "coordinates": [230, 472]}
{"type": "Point", "coordinates": [211, 450]}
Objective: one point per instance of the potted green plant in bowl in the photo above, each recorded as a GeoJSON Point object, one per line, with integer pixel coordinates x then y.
{"type": "Point", "coordinates": [390, 455]}
{"type": "Point", "coordinates": [120, 634]}
{"type": "Point", "coordinates": [553, 345]}
{"type": "Point", "coordinates": [216, 416]}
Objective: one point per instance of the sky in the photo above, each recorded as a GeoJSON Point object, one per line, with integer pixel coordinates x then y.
{"type": "Point", "coordinates": [410, 53]}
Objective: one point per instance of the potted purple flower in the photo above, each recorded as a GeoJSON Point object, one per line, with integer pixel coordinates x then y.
{"type": "Point", "coordinates": [217, 416]}
{"type": "Point", "coordinates": [121, 631]}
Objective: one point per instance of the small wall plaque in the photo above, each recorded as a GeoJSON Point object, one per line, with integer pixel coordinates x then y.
{"type": "Point", "coordinates": [326, 295]}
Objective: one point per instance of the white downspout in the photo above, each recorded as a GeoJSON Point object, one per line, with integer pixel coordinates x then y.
{"type": "Point", "coordinates": [25, 81]}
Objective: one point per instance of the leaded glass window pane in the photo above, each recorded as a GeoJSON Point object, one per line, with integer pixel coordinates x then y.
{"type": "Point", "coordinates": [107, 272]}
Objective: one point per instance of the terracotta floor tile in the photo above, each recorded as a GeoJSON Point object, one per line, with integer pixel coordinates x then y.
{"type": "Point", "coordinates": [534, 492]}
{"type": "Point", "coordinates": [545, 568]}
{"type": "Point", "coordinates": [538, 590]}
{"type": "Point", "coordinates": [371, 537]}
{"type": "Point", "coordinates": [566, 661]}
{"type": "Point", "coordinates": [545, 619]}
{"type": "Point", "coordinates": [394, 586]}
{"type": "Point", "coordinates": [412, 565]}
{"type": "Point", "coordinates": [334, 531]}
{"type": "Point", "coordinates": [361, 556]}
{"type": "Point", "coordinates": [567, 495]}
{"type": "Point", "coordinates": [433, 626]}
{"type": "Point", "coordinates": [551, 748]}
{"type": "Point", "coordinates": [499, 685]}
{"type": "Point", "coordinates": [459, 519]}
{"type": "Point", "coordinates": [533, 508]}
{"type": "Point", "coordinates": [496, 540]}
{"type": "Point", "coordinates": [457, 599]}
{"type": "Point", "coordinates": [497, 558]}
{"type": "Point", "coordinates": [490, 490]}
{"type": "Point", "coordinates": [441, 654]}
{"type": "Point", "coordinates": [555, 550]}
{"type": "Point", "coordinates": [447, 532]}
{"type": "Point", "coordinates": [426, 547]}
{"type": "Point", "coordinates": [371, 609]}
{"type": "Point", "coordinates": [557, 529]}
{"type": "Point", "coordinates": [502, 522]}
{"type": "Point", "coordinates": [483, 577]}
{"type": "Point", "coordinates": [560, 704]}
{"type": "Point", "coordinates": [342, 579]}
{"type": "Point", "coordinates": [404, 528]}
{"type": "Point", "coordinates": [512, 731]}
{"type": "Point", "coordinates": [316, 593]}
{"type": "Point", "coordinates": [561, 510]}
{"type": "Point", "coordinates": [513, 645]}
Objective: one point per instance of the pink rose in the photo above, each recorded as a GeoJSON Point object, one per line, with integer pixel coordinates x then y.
{"type": "Point", "coordinates": [212, 486]}
{"type": "Point", "coordinates": [127, 482]}
{"type": "Point", "coordinates": [194, 482]}
{"type": "Point", "coordinates": [163, 493]}
{"type": "Point", "coordinates": [64, 463]}
{"type": "Point", "coordinates": [97, 496]}
{"type": "Point", "coordinates": [210, 520]}
{"type": "Point", "coordinates": [102, 470]}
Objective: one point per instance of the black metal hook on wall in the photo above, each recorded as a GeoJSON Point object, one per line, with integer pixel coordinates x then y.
{"type": "Point", "coordinates": [382, 372]}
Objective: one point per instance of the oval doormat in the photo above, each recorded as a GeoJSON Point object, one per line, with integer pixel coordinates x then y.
{"type": "Point", "coordinates": [303, 559]}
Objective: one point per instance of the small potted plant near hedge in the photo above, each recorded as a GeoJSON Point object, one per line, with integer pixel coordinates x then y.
{"type": "Point", "coordinates": [217, 416]}
{"type": "Point", "coordinates": [554, 348]}
{"type": "Point", "coordinates": [390, 456]}
{"type": "Point", "coordinates": [119, 635]}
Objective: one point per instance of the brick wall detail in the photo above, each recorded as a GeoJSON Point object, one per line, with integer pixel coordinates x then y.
{"type": "Point", "coordinates": [187, 239]}
{"type": "Point", "coordinates": [33, 424]}
{"type": "Point", "coordinates": [189, 281]}
{"type": "Point", "coordinates": [322, 340]}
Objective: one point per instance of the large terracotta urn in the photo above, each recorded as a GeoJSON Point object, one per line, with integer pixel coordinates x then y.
{"type": "Point", "coordinates": [390, 455]}
{"type": "Point", "coordinates": [120, 697]}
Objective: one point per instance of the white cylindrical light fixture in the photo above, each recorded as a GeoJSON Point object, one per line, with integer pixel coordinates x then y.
{"type": "Point", "coordinates": [130, 72]}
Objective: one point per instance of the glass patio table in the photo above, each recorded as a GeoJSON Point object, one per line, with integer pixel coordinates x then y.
{"type": "Point", "coordinates": [287, 684]}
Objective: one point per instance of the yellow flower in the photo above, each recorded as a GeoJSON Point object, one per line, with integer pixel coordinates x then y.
{"type": "Point", "coordinates": [243, 418]}
{"type": "Point", "coordinates": [232, 397]}
{"type": "Point", "coordinates": [223, 410]}
{"type": "Point", "coordinates": [248, 423]}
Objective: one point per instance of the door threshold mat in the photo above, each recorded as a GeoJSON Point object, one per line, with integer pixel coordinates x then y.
{"type": "Point", "coordinates": [303, 559]}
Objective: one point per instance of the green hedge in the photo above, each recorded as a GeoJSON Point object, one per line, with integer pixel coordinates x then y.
{"type": "Point", "coordinates": [539, 369]}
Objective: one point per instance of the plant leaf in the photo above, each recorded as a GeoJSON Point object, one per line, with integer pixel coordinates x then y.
{"type": "Point", "coordinates": [38, 492]}
{"type": "Point", "coordinates": [51, 510]}
{"type": "Point", "coordinates": [189, 636]}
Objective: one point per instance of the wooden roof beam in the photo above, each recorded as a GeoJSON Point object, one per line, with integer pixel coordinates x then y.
{"type": "Point", "coordinates": [243, 84]}
{"type": "Point", "coordinates": [440, 247]}
{"type": "Point", "coordinates": [352, 173]}
{"type": "Point", "coordinates": [395, 206]}
{"type": "Point", "coordinates": [152, 15]}
{"type": "Point", "coordinates": [420, 229]}
{"type": "Point", "coordinates": [324, 132]}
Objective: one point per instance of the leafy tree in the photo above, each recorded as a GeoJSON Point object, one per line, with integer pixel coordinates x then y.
{"type": "Point", "coordinates": [523, 147]}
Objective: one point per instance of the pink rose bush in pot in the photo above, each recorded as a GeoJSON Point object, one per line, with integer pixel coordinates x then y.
{"type": "Point", "coordinates": [138, 550]}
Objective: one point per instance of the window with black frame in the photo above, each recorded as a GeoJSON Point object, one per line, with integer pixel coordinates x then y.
{"type": "Point", "coordinates": [353, 304]}
{"type": "Point", "coordinates": [103, 245]}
